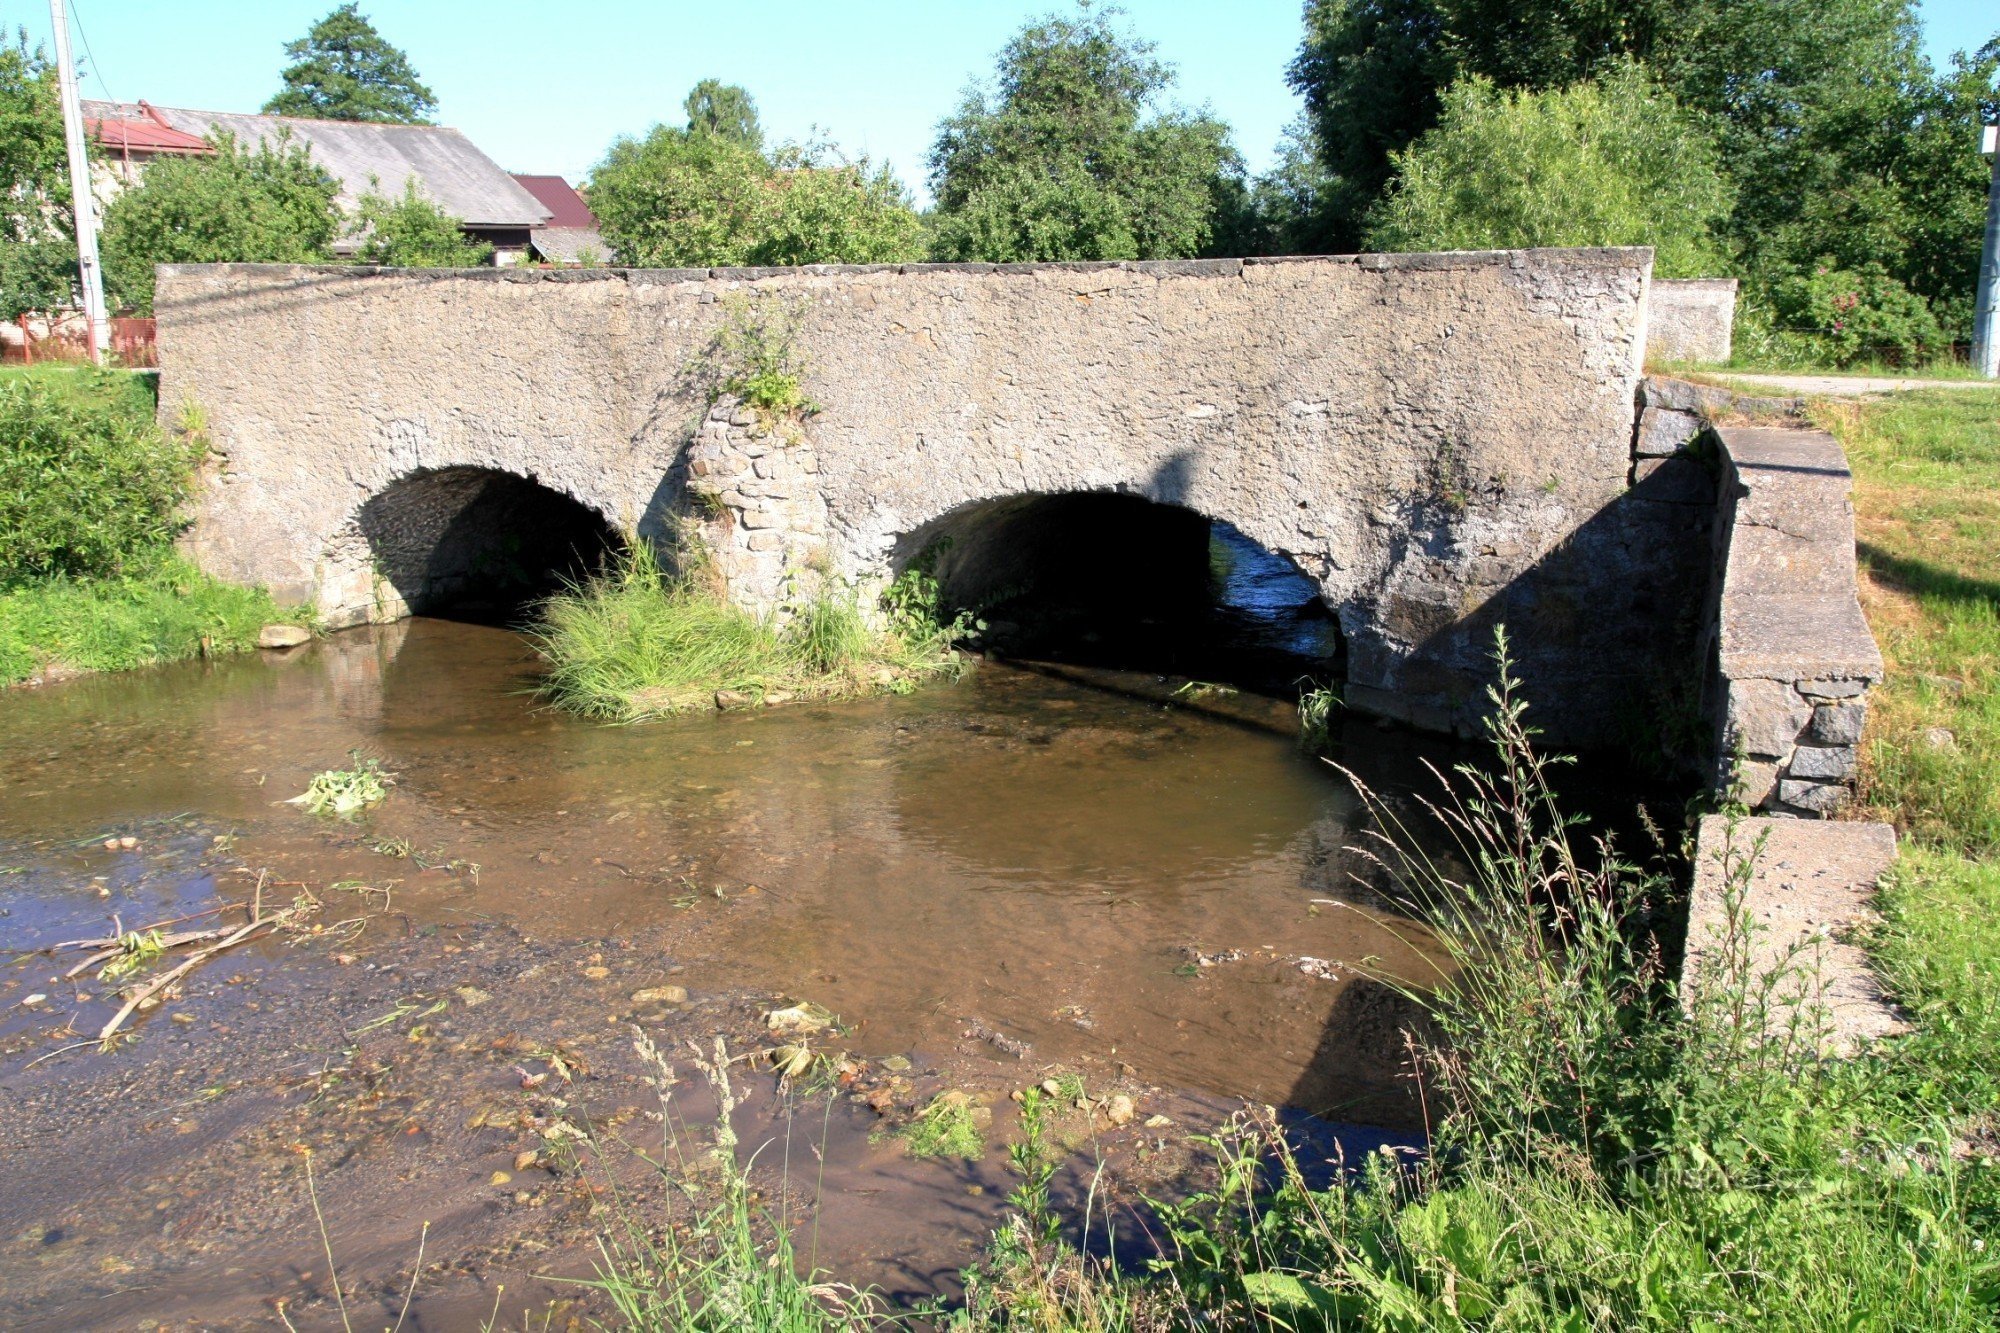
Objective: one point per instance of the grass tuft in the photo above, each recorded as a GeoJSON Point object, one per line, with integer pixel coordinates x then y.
{"type": "Point", "coordinates": [639, 642]}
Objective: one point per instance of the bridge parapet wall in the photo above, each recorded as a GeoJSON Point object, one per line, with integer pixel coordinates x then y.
{"type": "Point", "coordinates": [1441, 442]}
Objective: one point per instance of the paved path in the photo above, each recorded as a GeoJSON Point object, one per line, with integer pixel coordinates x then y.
{"type": "Point", "coordinates": [1845, 386]}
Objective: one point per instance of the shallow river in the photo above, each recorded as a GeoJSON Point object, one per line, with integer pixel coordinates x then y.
{"type": "Point", "coordinates": [1033, 870]}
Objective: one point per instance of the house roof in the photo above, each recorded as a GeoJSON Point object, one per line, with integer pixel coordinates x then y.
{"type": "Point", "coordinates": [565, 205]}
{"type": "Point", "coordinates": [137, 127]}
{"type": "Point", "coordinates": [570, 245]}
{"type": "Point", "coordinates": [362, 156]}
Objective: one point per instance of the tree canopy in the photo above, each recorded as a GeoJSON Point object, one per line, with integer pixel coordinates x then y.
{"type": "Point", "coordinates": [275, 205]}
{"type": "Point", "coordinates": [343, 69]}
{"type": "Point", "coordinates": [1837, 136]}
{"type": "Point", "coordinates": [707, 195]}
{"type": "Point", "coordinates": [1614, 162]}
{"type": "Point", "coordinates": [1067, 156]}
{"type": "Point", "coordinates": [726, 110]}
{"type": "Point", "coordinates": [411, 231]}
{"type": "Point", "coordinates": [37, 229]}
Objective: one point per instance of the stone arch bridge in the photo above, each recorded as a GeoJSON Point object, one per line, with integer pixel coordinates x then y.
{"type": "Point", "coordinates": [1439, 442]}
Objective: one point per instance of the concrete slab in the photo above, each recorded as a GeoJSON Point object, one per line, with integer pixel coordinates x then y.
{"type": "Point", "coordinates": [1809, 887]}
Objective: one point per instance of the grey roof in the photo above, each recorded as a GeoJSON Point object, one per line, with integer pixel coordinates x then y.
{"type": "Point", "coordinates": [568, 245]}
{"type": "Point", "coordinates": [364, 156]}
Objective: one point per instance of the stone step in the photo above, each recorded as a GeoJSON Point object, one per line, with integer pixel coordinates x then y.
{"type": "Point", "coordinates": [1808, 886]}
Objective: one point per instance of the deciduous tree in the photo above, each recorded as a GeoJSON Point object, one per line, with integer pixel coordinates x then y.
{"type": "Point", "coordinates": [275, 205]}
{"type": "Point", "coordinates": [1612, 162]}
{"type": "Point", "coordinates": [1069, 157]}
{"type": "Point", "coordinates": [411, 231]}
{"type": "Point", "coordinates": [37, 229]}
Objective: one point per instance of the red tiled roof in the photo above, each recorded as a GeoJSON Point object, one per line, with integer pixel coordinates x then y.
{"type": "Point", "coordinates": [555, 194]}
{"type": "Point", "coordinates": [147, 133]}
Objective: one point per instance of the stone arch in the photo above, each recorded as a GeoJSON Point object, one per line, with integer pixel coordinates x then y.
{"type": "Point", "coordinates": [476, 543]}
{"type": "Point", "coordinates": [1113, 577]}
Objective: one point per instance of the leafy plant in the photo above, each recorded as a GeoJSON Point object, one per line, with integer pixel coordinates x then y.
{"type": "Point", "coordinates": [345, 792]}
{"type": "Point", "coordinates": [945, 1128]}
{"type": "Point", "coordinates": [1066, 159]}
{"type": "Point", "coordinates": [232, 206]}
{"type": "Point", "coordinates": [411, 231]}
{"type": "Point", "coordinates": [88, 481]}
{"type": "Point", "coordinates": [1610, 162]}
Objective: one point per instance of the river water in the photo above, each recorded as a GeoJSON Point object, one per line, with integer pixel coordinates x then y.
{"type": "Point", "coordinates": [1036, 870]}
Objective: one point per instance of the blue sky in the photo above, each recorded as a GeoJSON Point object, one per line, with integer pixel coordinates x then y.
{"type": "Point", "coordinates": [545, 87]}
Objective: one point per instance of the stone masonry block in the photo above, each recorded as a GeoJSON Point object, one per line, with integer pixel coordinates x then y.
{"type": "Point", "coordinates": [1664, 431]}
{"type": "Point", "coordinates": [1838, 724]}
{"type": "Point", "coordinates": [1765, 718]}
{"type": "Point", "coordinates": [1819, 797]}
{"type": "Point", "coordinates": [1827, 762]}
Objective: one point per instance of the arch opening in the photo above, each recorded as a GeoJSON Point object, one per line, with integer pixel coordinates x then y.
{"type": "Point", "coordinates": [1113, 580]}
{"type": "Point", "coordinates": [479, 544]}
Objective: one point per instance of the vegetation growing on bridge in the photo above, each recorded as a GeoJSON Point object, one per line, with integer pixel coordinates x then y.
{"type": "Point", "coordinates": [642, 641]}
{"type": "Point", "coordinates": [91, 491]}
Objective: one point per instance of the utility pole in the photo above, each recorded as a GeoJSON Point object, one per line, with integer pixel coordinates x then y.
{"type": "Point", "coordinates": [79, 189]}
{"type": "Point", "coordinates": [1986, 301]}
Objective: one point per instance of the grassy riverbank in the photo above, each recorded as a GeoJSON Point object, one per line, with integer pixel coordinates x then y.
{"type": "Point", "coordinates": [638, 642]}
{"type": "Point", "coordinates": [1606, 1161]}
{"type": "Point", "coordinates": [92, 493]}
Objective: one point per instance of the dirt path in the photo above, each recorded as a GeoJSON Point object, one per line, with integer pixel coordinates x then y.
{"type": "Point", "coordinates": [1844, 386]}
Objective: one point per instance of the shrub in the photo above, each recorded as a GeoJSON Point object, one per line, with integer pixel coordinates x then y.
{"type": "Point", "coordinates": [410, 231]}
{"type": "Point", "coordinates": [87, 479]}
{"type": "Point", "coordinates": [1615, 162]}
{"type": "Point", "coordinates": [1839, 316]}
{"type": "Point", "coordinates": [273, 206]}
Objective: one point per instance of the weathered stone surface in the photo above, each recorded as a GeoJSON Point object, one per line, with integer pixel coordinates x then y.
{"type": "Point", "coordinates": [1680, 480]}
{"type": "Point", "coordinates": [1827, 763]}
{"type": "Point", "coordinates": [283, 636]}
{"type": "Point", "coordinates": [1807, 892]}
{"type": "Point", "coordinates": [1794, 653]}
{"type": "Point", "coordinates": [1765, 718]}
{"type": "Point", "coordinates": [1692, 319]}
{"type": "Point", "coordinates": [1480, 402]}
{"type": "Point", "coordinates": [1821, 798]}
{"type": "Point", "coordinates": [1838, 724]}
{"type": "Point", "coordinates": [1663, 431]}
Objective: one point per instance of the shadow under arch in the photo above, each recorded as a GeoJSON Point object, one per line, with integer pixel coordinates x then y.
{"type": "Point", "coordinates": [480, 544]}
{"type": "Point", "coordinates": [1112, 579]}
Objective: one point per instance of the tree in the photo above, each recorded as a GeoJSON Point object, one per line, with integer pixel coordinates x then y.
{"type": "Point", "coordinates": [679, 200]}
{"type": "Point", "coordinates": [1068, 159]}
{"type": "Point", "coordinates": [410, 231]}
{"type": "Point", "coordinates": [705, 196]}
{"type": "Point", "coordinates": [1827, 118]}
{"type": "Point", "coordinates": [275, 205]}
{"type": "Point", "coordinates": [824, 209]}
{"type": "Point", "coordinates": [724, 109]}
{"type": "Point", "coordinates": [342, 69]}
{"type": "Point", "coordinates": [37, 228]}
{"type": "Point", "coordinates": [1614, 162]}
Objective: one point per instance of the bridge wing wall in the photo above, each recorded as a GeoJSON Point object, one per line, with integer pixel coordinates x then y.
{"type": "Point", "coordinates": [1443, 442]}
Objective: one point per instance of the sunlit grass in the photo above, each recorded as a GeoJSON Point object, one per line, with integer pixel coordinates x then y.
{"type": "Point", "coordinates": [638, 642]}
{"type": "Point", "coordinates": [165, 612]}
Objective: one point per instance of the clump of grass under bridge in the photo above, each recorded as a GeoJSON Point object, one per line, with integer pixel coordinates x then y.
{"type": "Point", "coordinates": [641, 641]}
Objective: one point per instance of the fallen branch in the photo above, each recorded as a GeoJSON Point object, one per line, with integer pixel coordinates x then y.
{"type": "Point", "coordinates": [179, 970]}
